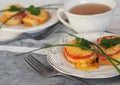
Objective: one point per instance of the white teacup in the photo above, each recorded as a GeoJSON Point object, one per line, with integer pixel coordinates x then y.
{"type": "Point", "coordinates": [87, 23]}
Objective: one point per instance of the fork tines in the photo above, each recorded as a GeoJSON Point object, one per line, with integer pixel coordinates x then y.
{"type": "Point", "coordinates": [35, 64]}
{"type": "Point", "coordinates": [47, 71]}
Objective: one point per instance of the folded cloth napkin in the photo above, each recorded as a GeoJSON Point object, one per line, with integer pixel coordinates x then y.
{"type": "Point", "coordinates": [25, 45]}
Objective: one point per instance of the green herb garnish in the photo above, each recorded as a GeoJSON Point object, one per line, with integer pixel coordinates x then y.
{"type": "Point", "coordinates": [83, 43]}
{"type": "Point", "coordinates": [14, 8]}
{"type": "Point", "coordinates": [34, 10]}
{"type": "Point", "coordinates": [108, 42]}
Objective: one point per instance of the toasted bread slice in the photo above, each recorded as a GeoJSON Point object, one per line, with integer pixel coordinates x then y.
{"type": "Point", "coordinates": [112, 51]}
{"type": "Point", "coordinates": [16, 20]}
{"type": "Point", "coordinates": [82, 59]}
{"type": "Point", "coordinates": [32, 20]}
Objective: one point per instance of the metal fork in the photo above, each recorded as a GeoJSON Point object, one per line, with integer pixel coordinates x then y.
{"type": "Point", "coordinates": [46, 71]}
{"type": "Point", "coordinates": [36, 36]}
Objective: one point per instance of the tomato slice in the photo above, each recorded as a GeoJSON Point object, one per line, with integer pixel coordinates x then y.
{"type": "Point", "coordinates": [114, 53]}
{"type": "Point", "coordinates": [99, 39]}
{"type": "Point", "coordinates": [20, 15]}
{"type": "Point", "coordinates": [109, 54]}
{"type": "Point", "coordinates": [78, 56]}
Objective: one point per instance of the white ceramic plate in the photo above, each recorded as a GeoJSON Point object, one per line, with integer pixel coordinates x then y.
{"type": "Point", "coordinates": [58, 61]}
{"type": "Point", "coordinates": [26, 3]}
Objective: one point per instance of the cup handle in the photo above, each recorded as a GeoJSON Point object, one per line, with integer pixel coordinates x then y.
{"type": "Point", "coordinates": [59, 15]}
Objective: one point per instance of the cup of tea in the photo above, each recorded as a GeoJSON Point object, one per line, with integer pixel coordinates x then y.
{"type": "Point", "coordinates": [87, 15]}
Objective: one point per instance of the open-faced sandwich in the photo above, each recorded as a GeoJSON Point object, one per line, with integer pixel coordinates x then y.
{"type": "Point", "coordinates": [83, 59]}
{"type": "Point", "coordinates": [17, 19]}
{"type": "Point", "coordinates": [111, 46]}
{"type": "Point", "coordinates": [36, 19]}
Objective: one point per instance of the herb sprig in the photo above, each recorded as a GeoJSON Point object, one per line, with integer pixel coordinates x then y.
{"type": "Point", "coordinates": [110, 42]}
{"type": "Point", "coordinates": [33, 10]}
{"type": "Point", "coordinates": [82, 43]}
{"type": "Point", "coordinates": [14, 8]}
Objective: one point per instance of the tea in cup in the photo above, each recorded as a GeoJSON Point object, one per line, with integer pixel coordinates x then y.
{"type": "Point", "coordinates": [87, 15]}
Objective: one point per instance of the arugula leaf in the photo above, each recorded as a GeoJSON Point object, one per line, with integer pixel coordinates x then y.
{"type": "Point", "coordinates": [108, 42]}
{"type": "Point", "coordinates": [34, 10]}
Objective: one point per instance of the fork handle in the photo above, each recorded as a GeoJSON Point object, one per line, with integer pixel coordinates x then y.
{"type": "Point", "coordinates": [73, 78]}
